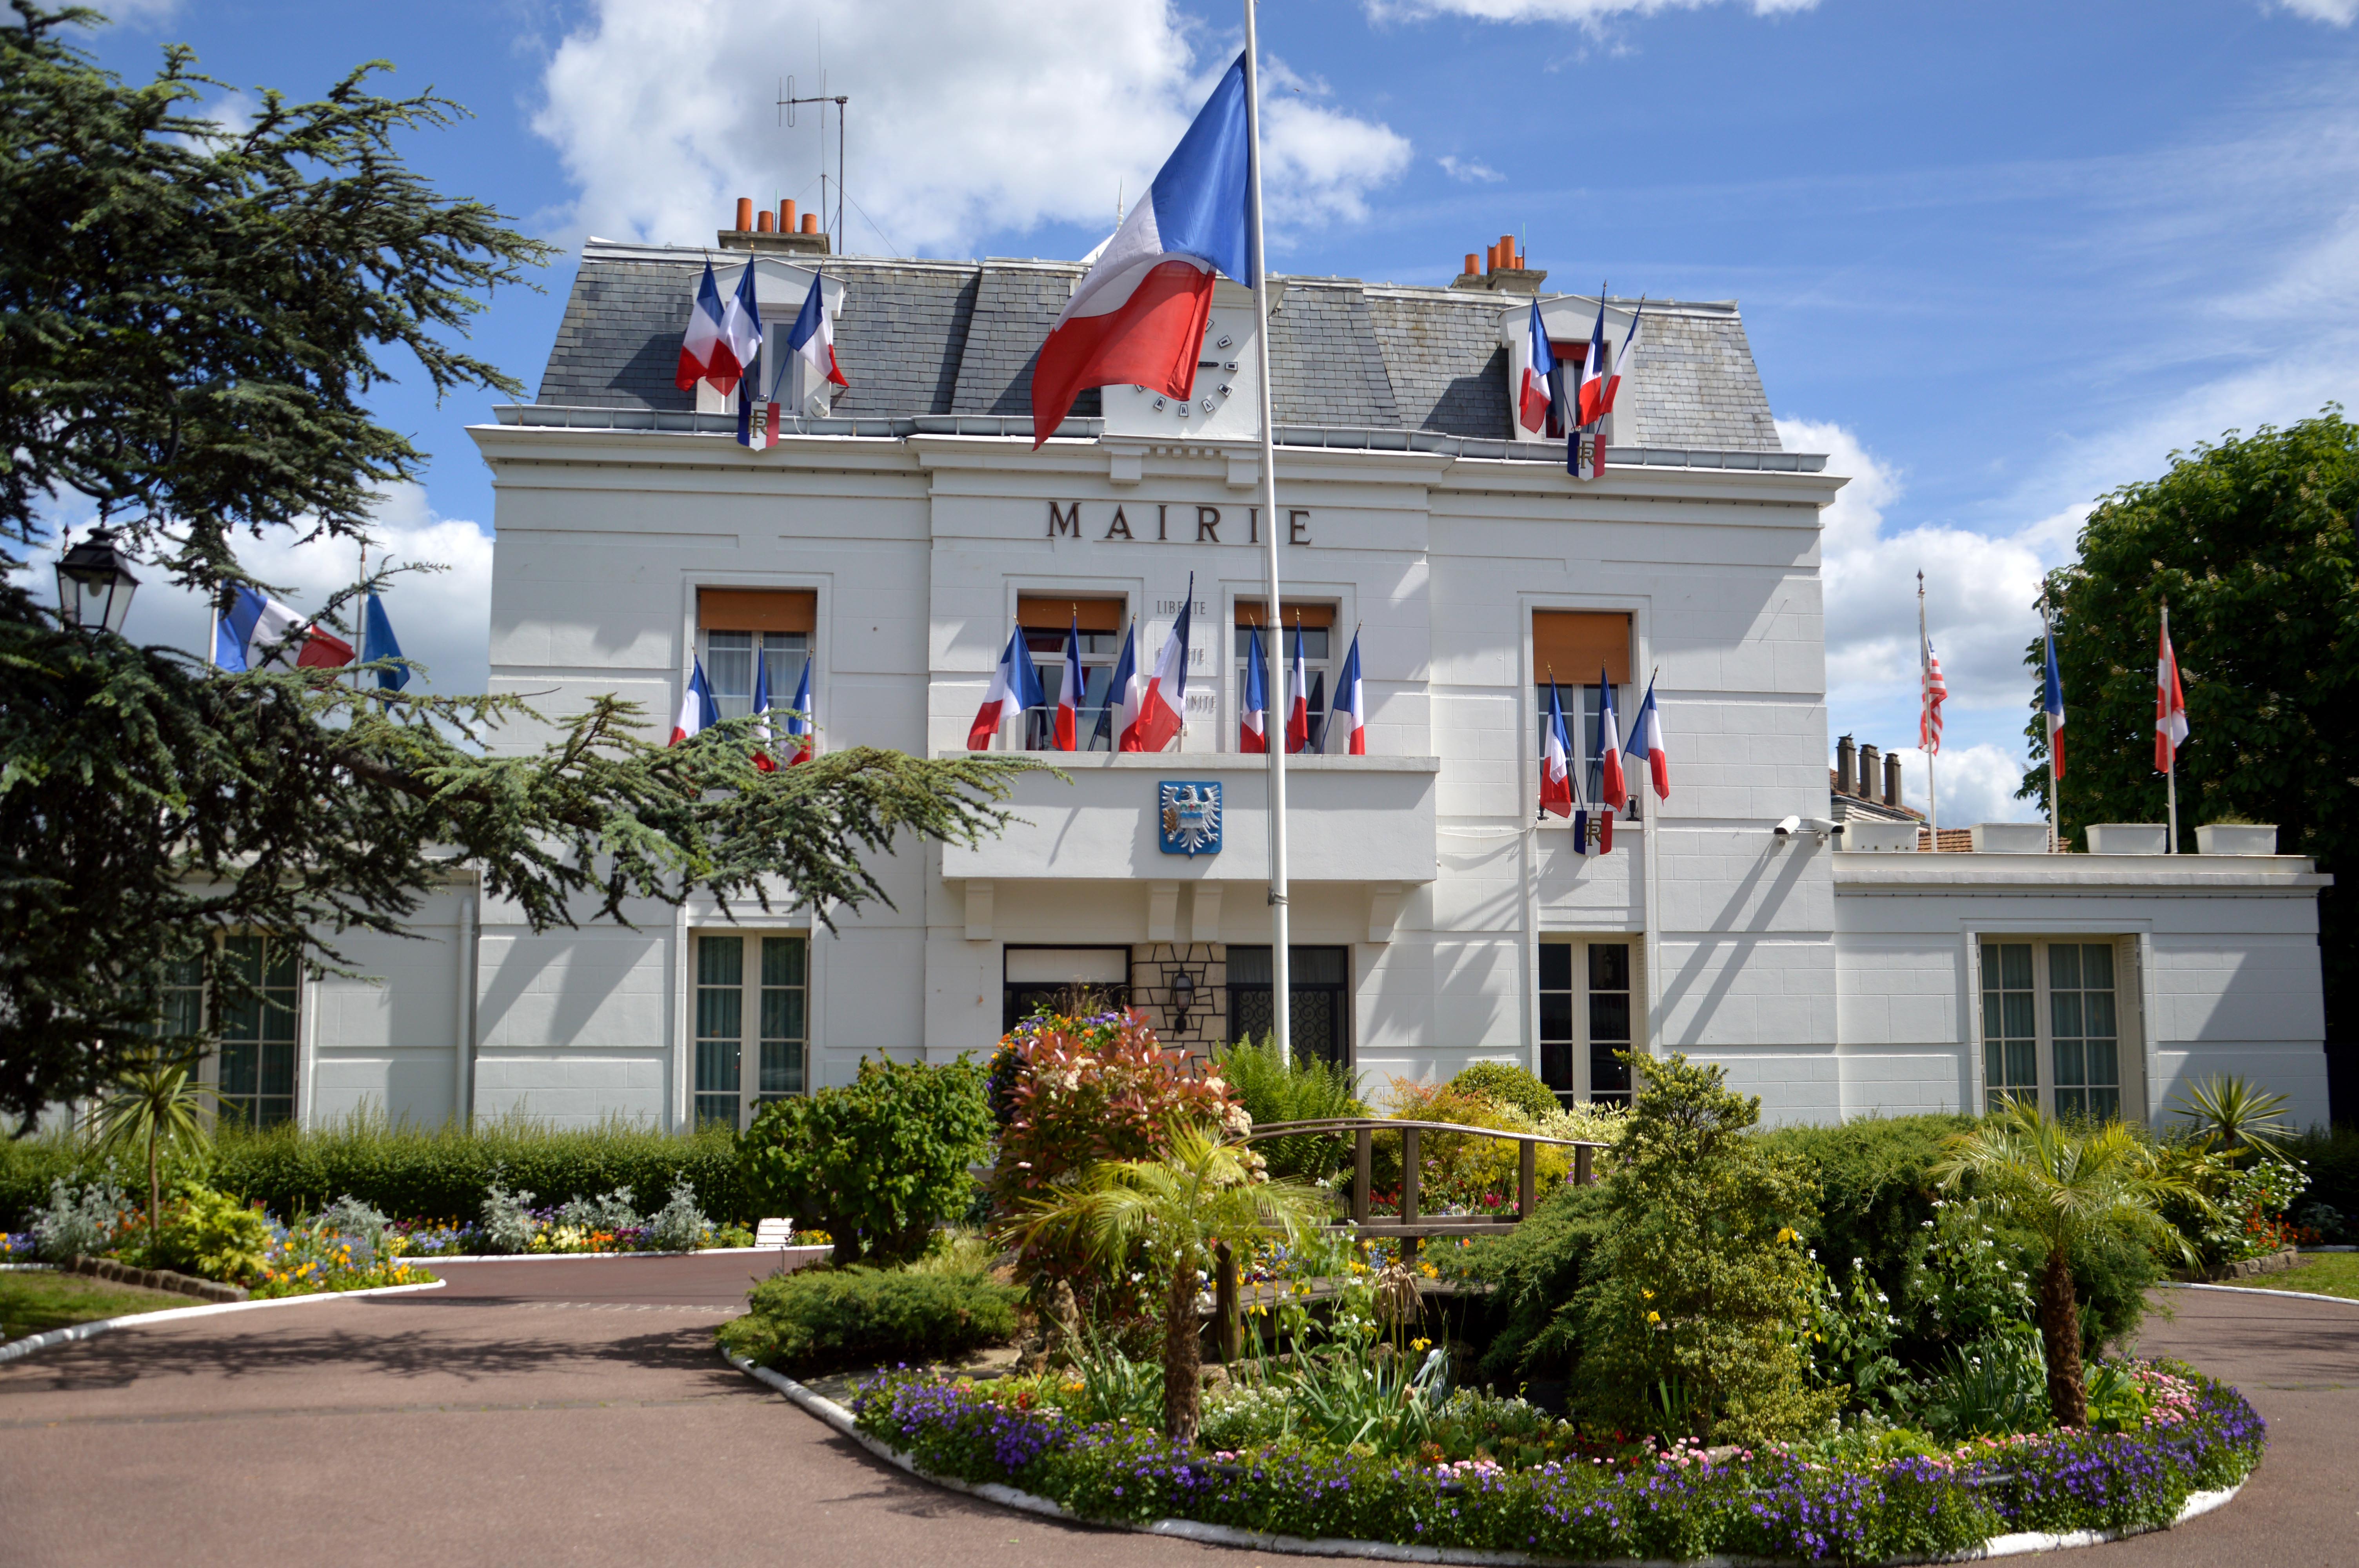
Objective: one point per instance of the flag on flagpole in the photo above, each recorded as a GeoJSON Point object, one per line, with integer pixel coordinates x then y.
{"type": "Point", "coordinates": [1253, 719]}
{"type": "Point", "coordinates": [1349, 717]}
{"type": "Point", "coordinates": [1138, 316]}
{"type": "Point", "coordinates": [1015, 686]}
{"type": "Point", "coordinates": [1539, 363]}
{"type": "Point", "coordinates": [1936, 692]}
{"type": "Point", "coordinates": [1297, 700]}
{"type": "Point", "coordinates": [378, 643]}
{"type": "Point", "coordinates": [259, 631]}
{"type": "Point", "coordinates": [1593, 368]}
{"type": "Point", "coordinates": [1125, 697]}
{"type": "Point", "coordinates": [1646, 741]}
{"type": "Point", "coordinates": [802, 724]}
{"type": "Point", "coordinates": [2170, 707]}
{"type": "Point", "coordinates": [762, 758]}
{"type": "Point", "coordinates": [1070, 685]}
{"type": "Point", "coordinates": [703, 350]}
{"type": "Point", "coordinates": [740, 324]}
{"type": "Point", "coordinates": [698, 711]}
{"type": "Point", "coordinates": [1556, 761]}
{"type": "Point", "coordinates": [1162, 708]}
{"type": "Point", "coordinates": [1612, 789]}
{"type": "Point", "coordinates": [2054, 705]}
{"type": "Point", "coordinates": [812, 337]}
{"type": "Point", "coordinates": [1612, 387]}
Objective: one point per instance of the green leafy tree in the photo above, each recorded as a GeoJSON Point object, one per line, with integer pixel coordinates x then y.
{"type": "Point", "coordinates": [192, 318]}
{"type": "Point", "coordinates": [1206, 1189]}
{"type": "Point", "coordinates": [1700, 1320]}
{"type": "Point", "coordinates": [153, 1106]}
{"type": "Point", "coordinates": [2251, 541]}
{"type": "Point", "coordinates": [2074, 1189]}
{"type": "Point", "coordinates": [876, 1163]}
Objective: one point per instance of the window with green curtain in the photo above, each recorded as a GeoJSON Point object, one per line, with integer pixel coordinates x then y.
{"type": "Point", "coordinates": [258, 1031]}
{"type": "Point", "coordinates": [720, 1026]}
{"type": "Point", "coordinates": [785, 1009]}
{"type": "Point", "coordinates": [2086, 1039]}
{"type": "Point", "coordinates": [2010, 1024]}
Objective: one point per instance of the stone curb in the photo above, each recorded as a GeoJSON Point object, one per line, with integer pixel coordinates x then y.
{"type": "Point", "coordinates": [428, 1258]}
{"type": "Point", "coordinates": [834, 1415]}
{"type": "Point", "coordinates": [16, 1349]}
{"type": "Point", "coordinates": [2258, 1291]}
{"type": "Point", "coordinates": [170, 1280]}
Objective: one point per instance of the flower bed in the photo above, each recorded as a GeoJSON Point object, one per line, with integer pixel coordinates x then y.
{"type": "Point", "coordinates": [1790, 1502]}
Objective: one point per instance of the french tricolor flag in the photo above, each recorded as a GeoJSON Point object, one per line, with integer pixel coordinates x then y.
{"type": "Point", "coordinates": [1015, 686]}
{"type": "Point", "coordinates": [762, 758]}
{"type": "Point", "coordinates": [1556, 761]}
{"type": "Point", "coordinates": [1252, 723]}
{"type": "Point", "coordinates": [1613, 789]}
{"type": "Point", "coordinates": [1348, 720]}
{"type": "Point", "coordinates": [706, 351]}
{"type": "Point", "coordinates": [1593, 371]}
{"type": "Point", "coordinates": [1163, 704]}
{"type": "Point", "coordinates": [1646, 741]}
{"type": "Point", "coordinates": [698, 711]}
{"type": "Point", "coordinates": [1539, 363]}
{"type": "Point", "coordinates": [1125, 697]}
{"type": "Point", "coordinates": [812, 337]}
{"type": "Point", "coordinates": [802, 724]}
{"type": "Point", "coordinates": [1139, 316]}
{"type": "Point", "coordinates": [1071, 683]}
{"type": "Point", "coordinates": [255, 630]}
{"type": "Point", "coordinates": [1298, 706]}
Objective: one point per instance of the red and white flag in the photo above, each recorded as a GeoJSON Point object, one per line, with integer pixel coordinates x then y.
{"type": "Point", "coordinates": [2169, 705]}
{"type": "Point", "coordinates": [1298, 698]}
{"type": "Point", "coordinates": [1162, 708]}
{"type": "Point", "coordinates": [1936, 692]}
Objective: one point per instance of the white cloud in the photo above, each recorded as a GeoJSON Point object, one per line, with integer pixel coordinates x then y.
{"type": "Point", "coordinates": [2340, 13]}
{"type": "Point", "coordinates": [1468, 172]}
{"type": "Point", "coordinates": [1977, 783]}
{"type": "Point", "coordinates": [443, 618]}
{"type": "Point", "coordinates": [1592, 14]}
{"type": "Point", "coordinates": [967, 120]}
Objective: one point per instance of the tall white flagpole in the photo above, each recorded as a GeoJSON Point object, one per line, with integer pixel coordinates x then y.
{"type": "Point", "coordinates": [1281, 982]}
{"type": "Point", "coordinates": [2170, 772]}
{"type": "Point", "coordinates": [2047, 627]}
{"type": "Point", "coordinates": [1925, 719]}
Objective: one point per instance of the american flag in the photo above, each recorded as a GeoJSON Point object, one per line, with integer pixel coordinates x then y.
{"type": "Point", "coordinates": [1937, 690]}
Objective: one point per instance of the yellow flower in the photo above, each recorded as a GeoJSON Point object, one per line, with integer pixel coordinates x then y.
{"type": "Point", "coordinates": [1654, 1317]}
{"type": "Point", "coordinates": [1419, 1344]}
{"type": "Point", "coordinates": [1786, 1233]}
{"type": "Point", "coordinates": [1644, 1295]}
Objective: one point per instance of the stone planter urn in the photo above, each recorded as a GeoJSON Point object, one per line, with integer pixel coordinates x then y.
{"type": "Point", "coordinates": [2237, 839]}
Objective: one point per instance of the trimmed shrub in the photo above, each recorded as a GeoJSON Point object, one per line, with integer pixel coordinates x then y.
{"type": "Point", "coordinates": [824, 1320]}
{"type": "Point", "coordinates": [1508, 1085]}
{"type": "Point", "coordinates": [1538, 1273]}
{"type": "Point", "coordinates": [29, 1164]}
{"type": "Point", "coordinates": [876, 1163]}
{"type": "Point", "coordinates": [1876, 1198]}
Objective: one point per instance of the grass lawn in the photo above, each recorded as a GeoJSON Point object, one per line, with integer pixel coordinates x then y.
{"type": "Point", "coordinates": [2321, 1274]}
{"type": "Point", "coordinates": [37, 1302]}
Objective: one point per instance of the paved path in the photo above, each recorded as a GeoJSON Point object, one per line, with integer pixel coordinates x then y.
{"type": "Point", "coordinates": [575, 1412]}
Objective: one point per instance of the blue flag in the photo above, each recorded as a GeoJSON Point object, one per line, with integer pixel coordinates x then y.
{"type": "Point", "coordinates": [377, 642]}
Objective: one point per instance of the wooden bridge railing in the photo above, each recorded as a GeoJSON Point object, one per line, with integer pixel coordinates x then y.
{"type": "Point", "coordinates": [1411, 1226]}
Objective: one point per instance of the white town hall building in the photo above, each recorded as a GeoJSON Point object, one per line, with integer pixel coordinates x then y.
{"type": "Point", "coordinates": [892, 537]}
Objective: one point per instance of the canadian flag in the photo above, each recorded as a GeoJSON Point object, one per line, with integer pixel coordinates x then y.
{"type": "Point", "coordinates": [1161, 710]}
{"type": "Point", "coordinates": [698, 711]}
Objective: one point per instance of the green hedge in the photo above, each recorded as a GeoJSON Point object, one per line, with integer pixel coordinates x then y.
{"type": "Point", "coordinates": [415, 1173]}
{"type": "Point", "coordinates": [2334, 1161]}
{"type": "Point", "coordinates": [822, 1319]}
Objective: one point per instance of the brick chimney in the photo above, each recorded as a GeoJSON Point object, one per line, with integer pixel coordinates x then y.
{"type": "Point", "coordinates": [1868, 757]}
{"type": "Point", "coordinates": [756, 234]}
{"type": "Point", "coordinates": [1506, 270]}
{"type": "Point", "coordinates": [1846, 760]}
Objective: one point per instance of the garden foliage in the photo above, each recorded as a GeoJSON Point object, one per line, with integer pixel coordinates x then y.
{"type": "Point", "coordinates": [1705, 1289]}
{"type": "Point", "coordinates": [1303, 1088]}
{"type": "Point", "coordinates": [821, 1319]}
{"type": "Point", "coordinates": [1508, 1084]}
{"type": "Point", "coordinates": [878, 1163]}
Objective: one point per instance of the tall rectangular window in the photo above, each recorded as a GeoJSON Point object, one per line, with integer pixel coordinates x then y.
{"type": "Point", "coordinates": [1556, 1019]}
{"type": "Point", "coordinates": [1573, 648]}
{"type": "Point", "coordinates": [720, 1027]}
{"type": "Point", "coordinates": [1609, 1022]}
{"type": "Point", "coordinates": [785, 998]}
{"type": "Point", "coordinates": [729, 666]}
{"type": "Point", "coordinates": [256, 1032]}
{"type": "Point", "coordinates": [1046, 620]}
{"type": "Point", "coordinates": [2051, 1027]}
{"type": "Point", "coordinates": [1320, 657]}
{"type": "Point", "coordinates": [1319, 992]}
{"type": "Point", "coordinates": [1587, 1019]}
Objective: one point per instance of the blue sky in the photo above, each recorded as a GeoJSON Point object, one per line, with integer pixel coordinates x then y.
{"type": "Point", "coordinates": [1996, 258]}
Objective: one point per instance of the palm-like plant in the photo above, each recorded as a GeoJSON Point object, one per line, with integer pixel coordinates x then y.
{"type": "Point", "coordinates": [2067, 1186]}
{"type": "Point", "coordinates": [1205, 1188]}
{"type": "Point", "coordinates": [154, 1102]}
{"type": "Point", "coordinates": [2232, 1116]}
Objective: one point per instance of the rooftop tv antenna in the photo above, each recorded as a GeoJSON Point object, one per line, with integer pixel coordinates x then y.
{"type": "Point", "coordinates": [787, 105]}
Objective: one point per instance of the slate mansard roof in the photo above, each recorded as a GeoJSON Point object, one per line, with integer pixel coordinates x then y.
{"type": "Point", "coordinates": [922, 338]}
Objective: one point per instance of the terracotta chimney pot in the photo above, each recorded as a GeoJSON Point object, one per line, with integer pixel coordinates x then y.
{"type": "Point", "coordinates": [744, 213]}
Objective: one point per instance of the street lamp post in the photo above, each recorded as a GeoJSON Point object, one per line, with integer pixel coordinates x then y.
{"type": "Point", "coordinates": [94, 586]}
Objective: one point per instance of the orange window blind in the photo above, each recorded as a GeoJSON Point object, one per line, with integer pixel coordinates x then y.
{"type": "Point", "coordinates": [1576, 643]}
{"type": "Point", "coordinates": [1048, 612]}
{"type": "Point", "coordinates": [756, 609]}
{"type": "Point", "coordinates": [1249, 613]}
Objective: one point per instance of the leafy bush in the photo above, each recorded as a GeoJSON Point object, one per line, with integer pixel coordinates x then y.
{"type": "Point", "coordinates": [29, 1165]}
{"type": "Point", "coordinates": [1705, 1291]}
{"type": "Point", "coordinates": [214, 1235]}
{"type": "Point", "coordinates": [1460, 1170]}
{"type": "Point", "coordinates": [1536, 1274]}
{"type": "Point", "coordinates": [679, 1226]}
{"type": "Point", "coordinates": [876, 1163]}
{"type": "Point", "coordinates": [607, 1211]}
{"type": "Point", "coordinates": [2332, 1158]}
{"type": "Point", "coordinates": [1508, 1085]}
{"type": "Point", "coordinates": [819, 1320]}
{"type": "Point", "coordinates": [364, 1224]}
{"type": "Point", "coordinates": [1993, 1388]}
{"type": "Point", "coordinates": [1877, 1196]}
{"type": "Point", "coordinates": [79, 1220]}
{"type": "Point", "coordinates": [508, 1219]}
{"type": "Point", "coordinates": [1302, 1089]}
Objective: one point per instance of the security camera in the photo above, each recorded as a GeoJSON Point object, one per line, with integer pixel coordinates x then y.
{"type": "Point", "coordinates": [1818, 827]}
{"type": "Point", "coordinates": [1788, 828]}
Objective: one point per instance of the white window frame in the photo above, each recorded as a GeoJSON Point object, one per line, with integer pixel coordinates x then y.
{"type": "Point", "coordinates": [749, 987]}
{"type": "Point", "coordinates": [1583, 1087]}
{"type": "Point", "coordinates": [2129, 1043]}
{"type": "Point", "coordinates": [208, 1024]}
